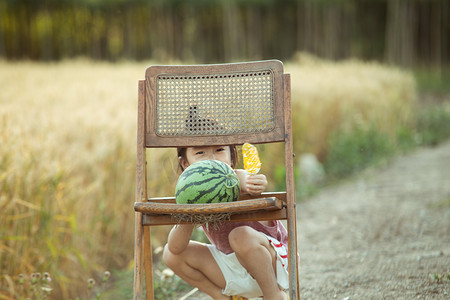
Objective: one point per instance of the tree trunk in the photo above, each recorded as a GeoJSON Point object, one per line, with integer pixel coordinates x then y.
{"type": "Point", "coordinates": [400, 32]}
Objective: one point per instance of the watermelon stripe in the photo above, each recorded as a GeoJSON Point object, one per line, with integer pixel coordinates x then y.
{"type": "Point", "coordinates": [192, 183]}
{"type": "Point", "coordinates": [202, 170]}
{"type": "Point", "coordinates": [221, 166]}
{"type": "Point", "coordinates": [206, 191]}
{"type": "Point", "coordinates": [196, 187]}
{"type": "Point", "coordinates": [211, 190]}
{"type": "Point", "coordinates": [236, 193]}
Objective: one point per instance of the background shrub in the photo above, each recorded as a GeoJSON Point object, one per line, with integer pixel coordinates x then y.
{"type": "Point", "coordinates": [350, 152]}
{"type": "Point", "coordinates": [433, 124]}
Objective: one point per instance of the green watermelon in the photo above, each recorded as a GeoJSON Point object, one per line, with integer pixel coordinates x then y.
{"type": "Point", "coordinates": [207, 181]}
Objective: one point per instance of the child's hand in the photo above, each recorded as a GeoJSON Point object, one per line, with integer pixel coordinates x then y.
{"type": "Point", "coordinates": [255, 184]}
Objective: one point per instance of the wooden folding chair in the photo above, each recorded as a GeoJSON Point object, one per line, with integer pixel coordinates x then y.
{"type": "Point", "coordinates": [249, 103]}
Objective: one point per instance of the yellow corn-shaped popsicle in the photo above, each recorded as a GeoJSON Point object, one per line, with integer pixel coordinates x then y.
{"type": "Point", "coordinates": [251, 160]}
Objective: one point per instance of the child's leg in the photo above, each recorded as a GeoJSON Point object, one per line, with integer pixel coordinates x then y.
{"type": "Point", "coordinates": [257, 256]}
{"type": "Point", "coordinates": [196, 266]}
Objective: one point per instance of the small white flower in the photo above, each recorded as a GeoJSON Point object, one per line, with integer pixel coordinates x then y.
{"type": "Point", "coordinates": [167, 273]}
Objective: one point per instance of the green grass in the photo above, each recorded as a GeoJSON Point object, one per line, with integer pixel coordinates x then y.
{"type": "Point", "coordinates": [433, 80]}
{"type": "Point", "coordinates": [351, 152]}
{"type": "Point", "coordinates": [433, 125]}
{"type": "Point", "coordinates": [166, 284]}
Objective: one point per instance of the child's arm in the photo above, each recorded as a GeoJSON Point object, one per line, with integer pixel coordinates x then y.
{"type": "Point", "coordinates": [179, 238]}
{"type": "Point", "coordinates": [253, 184]}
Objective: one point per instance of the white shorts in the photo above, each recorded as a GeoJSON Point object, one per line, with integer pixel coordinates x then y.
{"type": "Point", "coordinates": [239, 281]}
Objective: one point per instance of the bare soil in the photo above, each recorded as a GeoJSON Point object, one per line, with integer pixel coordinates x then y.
{"type": "Point", "coordinates": [382, 235]}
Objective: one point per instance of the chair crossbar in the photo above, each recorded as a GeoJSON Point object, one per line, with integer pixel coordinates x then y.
{"type": "Point", "coordinates": [270, 203]}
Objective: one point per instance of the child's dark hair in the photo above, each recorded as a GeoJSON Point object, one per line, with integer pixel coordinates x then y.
{"type": "Point", "coordinates": [181, 151]}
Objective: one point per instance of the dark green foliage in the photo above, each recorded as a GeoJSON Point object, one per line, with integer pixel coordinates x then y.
{"type": "Point", "coordinates": [350, 152]}
{"type": "Point", "coordinates": [169, 287]}
{"type": "Point", "coordinates": [433, 80]}
{"type": "Point", "coordinates": [166, 285]}
{"type": "Point", "coordinates": [434, 125]}
{"type": "Point", "coordinates": [407, 139]}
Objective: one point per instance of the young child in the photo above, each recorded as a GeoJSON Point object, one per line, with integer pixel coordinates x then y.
{"type": "Point", "coordinates": [245, 258]}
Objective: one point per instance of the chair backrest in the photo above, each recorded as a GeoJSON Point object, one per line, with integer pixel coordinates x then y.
{"type": "Point", "coordinates": [214, 104]}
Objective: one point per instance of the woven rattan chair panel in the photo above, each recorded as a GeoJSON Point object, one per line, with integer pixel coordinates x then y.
{"type": "Point", "coordinates": [214, 104]}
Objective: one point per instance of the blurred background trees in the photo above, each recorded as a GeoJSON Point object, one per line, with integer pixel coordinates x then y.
{"type": "Point", "coordinates": [404, 32]}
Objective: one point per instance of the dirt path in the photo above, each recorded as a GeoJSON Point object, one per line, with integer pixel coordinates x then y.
{"type": "Point", "coordinates": [381, 236]}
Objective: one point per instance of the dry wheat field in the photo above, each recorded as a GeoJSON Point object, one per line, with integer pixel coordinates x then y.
{"type": "Point", "coordinates": [67, 155]}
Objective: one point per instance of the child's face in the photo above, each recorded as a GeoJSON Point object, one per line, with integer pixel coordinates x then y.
{"type": "Point", "coordinates": [195, 154]}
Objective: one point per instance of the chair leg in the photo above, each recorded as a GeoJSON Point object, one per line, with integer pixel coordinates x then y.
{"type": "Point", "coordinates": [148, 263]}
{"type": "Point", "coordinates": [294, 286]}
{"type": "Point", "coordinates": [138, 258]}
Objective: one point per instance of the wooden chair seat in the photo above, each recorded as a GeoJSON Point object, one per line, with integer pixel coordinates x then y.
{"type": "Point", "coordinates": [152, 207]}
{"type": "Point", "coordinates": [156, 210]}
{"type": "Point", "coordinates": [167, 205]}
